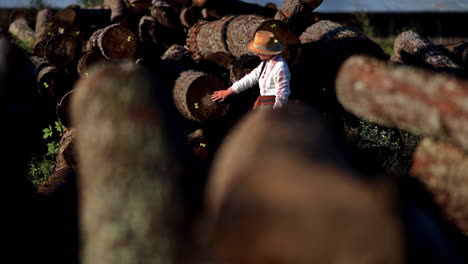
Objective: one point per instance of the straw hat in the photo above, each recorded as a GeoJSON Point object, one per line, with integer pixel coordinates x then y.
{"type": "Point", "coordinates": [265, 43]}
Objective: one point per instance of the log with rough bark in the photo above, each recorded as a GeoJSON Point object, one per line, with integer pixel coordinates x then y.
{"type": "Point", "coordinates": [405, 97]}
{"type": "Point", "coordinates": [61, 183]}
{"type": "Point", "coordinates": [192, 91]}
{"type": "Point", "coordinates": [294, 11]}
{"type": "Point", "coordinates": [116, 42]}
{"type": "Point", "coordinates": [139, 7]}
{"type": "Point", "coordinates": [255, 186]}
{"type": "Point", "coordinates": [129, 168]}
{"type": "Point", "coordinates": [74, 15]}
{"type": "Point", "coordinates": [228, 37]}
{"type": "Point", "coordinates": [459, 53]}
{"type": "Point", "coordinates": [62, 49]}
{"type": "Point", "coordinates": [442, 168]}
{"type": "Point", "coordinates": [21, 31]}
{"type": "Point", "coordinates": [118, 11]}
{"type": "Point", "coordinates": [62, 110]}
{"type": "Point", "coordinates": [44, 30]}
{"type": "Point", "coordinates": [190, 16]}
{"type": "Point", "coordinates": [199, 145]}
{"type": "Point", "coordinates": [50, 80]}
{"type": "Point", "coordinates": [88, 59]}
{"type": "Point", "coordinates": [66, 156]}
{"type": "Point", "coordinates": [411, 48]}
{"type": "Point", "coordinates": [325, 45]}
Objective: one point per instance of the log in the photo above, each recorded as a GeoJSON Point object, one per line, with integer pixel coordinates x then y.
{"type": "Point", "coordinates": [325, 45]}
{"type": "Point", "coordinates": [62, 49]}
{"type": "Point", "coordinates": [61, 183]}
{"type": "Point", "coordinates": [118, 11]}
{"type": "Point", "coordinates": [44, 30]}
{"type": "Point", "coordinates": [291, 10]}
{"type": "Point", "coordinates": [261, 194]}
{"type": "Point", "coordinates": [62, 110]}
{"type": "Point", "coordinates": [240, 67]}
{"type": "Point", "coordinates": [459, 53]}
{"type": "Point", "coordinates": [20, 30]}
{"type": "Point", "coordinates": [65, 157]}
{"type": "Point", "coordinates": [199, 145]}
{"type": "Point", "coordinates": [50, 80]}
{"type": "Point", "coordinates": [234, 7]}
{"type": "Point", "coordinates": [442, 168]}
{"type": "Point", "coordinates": [132, 193]}
{"type": "Point", "coordinates": [88, 59]}
{"type": "Point", "coordinates": [406, 98]}
{"type": "Point", "coordinates": [116, 42]}
{"type": "Point", "coordinates": [192, 91]}
{"type": "Point", "coordinates": [411, 48]}
{"type": "Point", "coordinates": [228, 36]}
{"type": "Point", "coordinates": [75, 16]}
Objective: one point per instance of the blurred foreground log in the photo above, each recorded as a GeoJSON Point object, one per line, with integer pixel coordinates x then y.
{"type": "Point", "coordinates": [44, 30]}
{"type": "Point", "coordinates": [273, 201]}
{"type": "Point", "coordinates": [443, 170]}
{"type": "Point", "coordinates": [405, 97]}
{"type": "Point", "coordinates": [130, 208]}
{"type": "Point", "coordinates": [411, 48]}
{"type": "Point", "coordinates": [62, 49]}
{"type": "Point", "coordinates": [118, 11]}
{"type": "Point", "coordinates": [88, 59]}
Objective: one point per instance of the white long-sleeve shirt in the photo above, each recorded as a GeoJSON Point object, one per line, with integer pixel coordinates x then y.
{"type": "Point", "coordinates": [274, 80]}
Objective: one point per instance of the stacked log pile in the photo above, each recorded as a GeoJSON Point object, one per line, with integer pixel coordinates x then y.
{"type": "Point", "coordinates": [145, 148]}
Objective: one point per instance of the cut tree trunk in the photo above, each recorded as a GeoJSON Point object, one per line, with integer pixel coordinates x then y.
{"type": "Point", "coordinates": [411, 48]}
{"type": "Point", "coordinates": [459, 53]}
{"type": "Point", "coordinates": [61, 183]}
{"type": "Point", "coordinates": [190, 16]}
{"type": "Point", "coordinates": [192, 91]}
{"type": "Point", "coordinates": [405, 97]}
{"type": "Point", "coordinates": [116, 42]}
{"type": "Point", "coordinates": [128, 168]}
{"type": "Point", "coordinates": [50, 80]}
{"type": "Point", "coordinates": [66, 152]}
{"type": "Point", "coordinates": [63, 110]}
{"type": "Point", "coordinates": [165, 14]}
{"type": "Point", "coordinates": [294, 11]}
{"type": "Point", "coordinates": [228, 37]}
{"type": "Point", "coordinates": [62, 49]}
{"type": "Point", "coordinates": [20, 30]}
{"type": "Point", "coordinates": [257, 173]}
{"type": "Point", "coordinates": [443, 170]}
{"type": "Point", "coordinates": [325, 45]}
{"type": "Point", "coordinates": [118, 11]}
{"type": "Point", "coordinates": [88, 59]}
{"type": "Point", "coordinates": [44, 30]}
{"type": "Point", "coordinates": [83, 18]}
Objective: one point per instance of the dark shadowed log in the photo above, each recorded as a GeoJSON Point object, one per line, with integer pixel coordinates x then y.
{"type": "Point", "coordinates": [82, 17]}
{"type": "Point", "coordinates": [242, 66]}
{"type": "Point", "coordinates": [229, 36]}
{"type": "Point", "coordinates": [269, 197]}
{"type": "Point", "coordinates": [443, 170]}
{"type": "Point", "coordinates": [199, 144]}
{"type": "Point", "coordinates": [20, 30]}
{"type": "Point", "coordinates": [132, 193]}
{"type": "Point", "coordinates": [139, 7]}
{"type": "Point", "coordinates": [192, 91]}
{"type": "Point", "coordinates": [233, 7]}
{"type": "Point", "coordinates": [118, 8]}
{"type": "Point", "coordinates": [66, 156]}
{"type": "Point", "coordinates": [61, 183]}
{"type": "Point", "coordinates": [116, 42]}
{"type": "Point", "coordinates": [62, 49]}
{"type": "Point", "coordinates": [294, 11]}
{"type": "Point", "coordinates": [44, 30]}
{"type": "Point", "coordinates": [88, 59]}
{"type": "Point", "coordinates": [165, 13]}
{"type": "Point", "coordinates": [50, 80]}
{"type": "Point", "coordinates": [459, 53]}
{"type": "Point", "coordinates": [324, 47]}
{"type": "Point", "coordinates": [63, 109]}
{"type": "Point", "coordinates": [190, 16]}
{"type": "Point", "coordinates": [404, 97]}
{"type": "Point", "coordinates": [411, 48]}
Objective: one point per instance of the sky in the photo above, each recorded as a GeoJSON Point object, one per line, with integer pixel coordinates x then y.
{"type": "Point", "coordinates": [326, 6]}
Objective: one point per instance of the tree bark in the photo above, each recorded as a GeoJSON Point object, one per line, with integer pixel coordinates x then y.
{"type": "Point", "coordinates": [129, 168]}
{"type": "Point", "coordinates": [255, 186]}
{"type": "Point", "coordinates": [404, 97]}
{"type": "Point", "coordinates": [50, 80]}
{"type": "Point", "coordinates": [62, 110]}
{"type": "Point", "coordinates": [116, 42]}
{"type": "Point", "coordinates": [192, 91]}
{"type": "Point", "coordinates": [118, 11]}
{"type": "Point", "coordinates": [294, 11]}
{"type": "Point", "coordinates": [459, 53]}
{"type": "Point", "coordinates": [411, 48]}
{"type": "Point", "coordinates": [21, 31]}
{"type": "Point", "coordinates": [228, 36]}
{"type": "Point", "coordinates": [62, 49]}
{"type": "Point", "coordinates": [442, 168]}
{"type": "Point", "coordinates": [88, 59]}
{"type": "Point", "coordinates": [66, 152]}
{"type": "Point", "coordinates": [44, 30]}
{"type": "Point", "coordinates": [199, 145]}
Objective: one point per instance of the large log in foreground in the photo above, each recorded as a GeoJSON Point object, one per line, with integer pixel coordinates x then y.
{"type": "Point", "coordinates": [192, 92]}
{"type": "Point", "coordinates": [274, 191]}
{"type": "Point", "coordinates": [411, 48]}
{"type": "Point", "coordinates": [443, 170]}
{"type": "Point", "coordinates": [115, 42]}
{"type": "Point", "coordinates": [45, 28]}
{"type": "Point", "coordinates": [228, 36]}
{"type": "Point", "coordinates": [405, 97]}
{"type": "Point", "coordinates": [459, 53]}
{"type": "Point", "coordinates": [129, 211]}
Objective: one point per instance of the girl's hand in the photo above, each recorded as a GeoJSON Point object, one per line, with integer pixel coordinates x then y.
{"type": "Point", "coordinates": [220, 95]}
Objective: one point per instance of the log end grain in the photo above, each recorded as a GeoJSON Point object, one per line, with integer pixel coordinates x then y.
{"type": "Point", "coordinates": [117, 42]}
{"type": "Point", "coordinates": [62, 49]}
{"type": "Point", "coordinates": [88, 59]}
